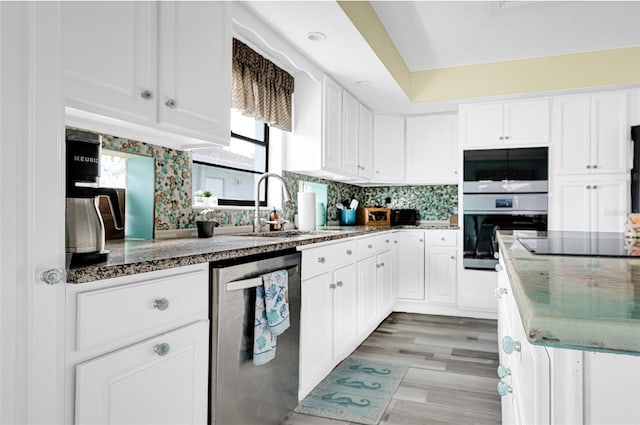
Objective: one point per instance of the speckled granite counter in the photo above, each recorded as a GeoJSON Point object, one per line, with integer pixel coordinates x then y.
{"type": "Point", "coordinates": [132, 257]}
{"type": "Point", "coordinates": [589, 303]}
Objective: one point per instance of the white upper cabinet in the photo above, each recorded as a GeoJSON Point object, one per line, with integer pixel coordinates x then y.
{"type": "Point", "coordinates": [331, 125]}
{"type": "Point", "coordinates": [365, 143]}
{"type": "Point", "coordinates": [350, 134]}
{"type": "Point", "coordinates": [110, 52]}
{"type": "Point", "coordinates": [149, 69]}
{"type": "Point", "coordinates": [195, 68]}
{"type": "Point", "coordinates": [509, 124]}
{"type": "Point", "coordinates": [432, 149]}
{"type": "Point", "coordinates": [388, 142]}
{"type": "Point", "coordinates": [591, 133]}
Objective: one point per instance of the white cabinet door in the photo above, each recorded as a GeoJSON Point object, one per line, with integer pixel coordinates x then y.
{"type": "Point", "coordinates": [316, 331]}
{"type": "Point", "coordinates": [481, 125]}
{"type": "Point", "coordinates": [432, 149]}
{"type": "Point", "coordinates": [365, 143]}
{"type": "Point", "coordinates": [195, 73]}
{"type": "Point", "coordinates": [386, 297]}
{"type": "Point", "coordinates": [345, 311]}
{"type": "Point", "coordinates": [388, 136]}
{"type": "Point", "coordinates": [571, 206]}
{"type": "Point", "coordinates": [331, 125]}
{"type": "Point", "coordinates": [590, 204]}
{"type": "Point", "coordinates": [411, 265]}
{"type": "Point", "coordinates": [163, 380]}
{"type": "Point", "coordinates": [350, 117]}
{"type": "Point", "coordinates": [610, 204]}
{"type": "Point", "coordinates": [110, 57]}
{"type": "Point", "coordinates": [367, 294]}
{"type": "Point", "coordinates": [442, 268]}
{"type": "Point", "coordinates": [609, 133]}
{"type": "Point", "coordinates": [571, 134]}
{"type": "Point", "coordinates": [591, 134]}
{"type": "Point", "coordinates": [527, 122]}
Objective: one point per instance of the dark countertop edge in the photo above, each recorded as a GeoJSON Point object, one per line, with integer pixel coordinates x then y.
{"type": "Point", "coordinates": [85, 274]}
{"type": "Point", "coordinates": [525, 310]}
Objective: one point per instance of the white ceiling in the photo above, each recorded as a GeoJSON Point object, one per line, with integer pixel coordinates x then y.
{"type": "Point", "coordinates": [435, 34]}
{"type": "Point", "coordinates": [441, 34]}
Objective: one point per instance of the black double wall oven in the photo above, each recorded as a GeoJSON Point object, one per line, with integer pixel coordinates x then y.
{"type": "Point", "coordinates": [502, 189]}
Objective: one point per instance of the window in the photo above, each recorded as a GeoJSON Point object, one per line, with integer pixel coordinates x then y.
{"type": "Point", "coordinates": [230, 173]}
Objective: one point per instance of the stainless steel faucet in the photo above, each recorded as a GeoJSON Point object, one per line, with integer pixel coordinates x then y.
{"type": "Point", "coordinates": [257, 224]}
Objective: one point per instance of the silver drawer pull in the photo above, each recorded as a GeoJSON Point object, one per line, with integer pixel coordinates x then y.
{"type": "Point", "coordinates": [339, 283]}
{"type": "Point", "coordinates": [332, 286]}
{"type": "Point", "coordinates": [161, 304]}
{"type": "Point", "coordinates": [162, 349]}
{"type": "Point", "coordinates": [349, 252]}
{"type": "Point", "coordinates": [321, 260]}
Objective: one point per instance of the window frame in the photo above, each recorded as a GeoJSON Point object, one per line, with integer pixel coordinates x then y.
{"type": "Point", "coordinates": [230, 202]}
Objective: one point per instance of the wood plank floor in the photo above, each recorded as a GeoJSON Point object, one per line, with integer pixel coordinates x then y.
{"type": "Point", "coordinates": [452, 370]}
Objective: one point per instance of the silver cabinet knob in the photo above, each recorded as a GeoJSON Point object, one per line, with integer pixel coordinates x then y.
{"type": "Point", "coordinates": [162, 349]}
{"type": "Point", "coordinates": [349, 252]}
{"type": "Point", "coordinates": [500, 291]}
{"type": "Point", "coordinates": [339, 283]}
{"type": "Point", "coordinates": [442, 239]}
{"type": "Point", "coordinates": [588, 166]}
{"type": "Point", "coordinates": [332, 286]}
{"type": "Point", "coordinates": [321, 260]}
{"type": "Point", "coordinates": [455, 172]}
{"type": "Point", "coordinates": [386, 241]}
{"type": "Point", "coordinates": [146, 95]}
{"type": "Point", "coordinates": [453, 257]}
{"type": "Point", "coordinates": [509, 345]}
{"type": "Point", "coordinates": [500, 138]}
{"type": "Point", "coordinates": [363, 167]}
{"type": "Point", "coordinates": [503, 388]}
{"type": "Point", "coordinates": [595, 186]}
{"type": "Point", "coordinates": [594, 166]}
{"type": "Point", "coordinates": [170, 103]}
{"type": "Point", "coordinates": [377, 171]}
{"type": "Point", "coordinates": [381, 264]}
{"type": "Point", "coordinates": [420, 240]}
{"type": "Point", "coordinates": [395, 241]}
{"type": "Point", "coordinates": [52, 276]}
{"type": "Point", "coordinates": [498, 267]}
{"type": "Point", "coordinates": [377, 266]}
{"type": "Point", "coordinates": [369, 246]}
{"type": "Point", "coordinates": [506, 137]}
{"type": "Point", "coordinates": [588, 186]}
{"type": "Point", "coordinates": [496, 255]}
{"type": "Point", "coordinates": [503, 371]}
{"type": "Point", "coordinates": [161, 304]}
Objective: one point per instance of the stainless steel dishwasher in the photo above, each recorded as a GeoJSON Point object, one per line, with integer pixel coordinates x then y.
{"type": "Point", "coordinates": [241, 393]}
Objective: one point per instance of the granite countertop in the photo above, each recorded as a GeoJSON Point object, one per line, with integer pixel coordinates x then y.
{"type": "Point", "coordinates": [587, 303]}
{"type": "Point", "coordinates": [138, 256]}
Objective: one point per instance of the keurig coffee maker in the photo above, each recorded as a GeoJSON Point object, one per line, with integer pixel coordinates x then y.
{"type": "Point", "coordinates": [84, 227]}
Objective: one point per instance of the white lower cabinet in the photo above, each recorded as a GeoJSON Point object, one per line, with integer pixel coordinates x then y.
{"type": "Point", "coordinates": [163, 380]}
{"type": "Point", "coordinates": [137, 350]}
{"type": "Point", "coordinates": [428, 275]}
{"type": "Point", "coordinates": [345, 295]}
{"type": "Point", "coordinates": [411, 265]}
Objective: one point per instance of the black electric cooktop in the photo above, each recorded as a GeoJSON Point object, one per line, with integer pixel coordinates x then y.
{"type": "Point", "coordinates": [589, 244]}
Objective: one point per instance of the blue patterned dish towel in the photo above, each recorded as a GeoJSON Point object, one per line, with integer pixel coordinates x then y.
{"type": "Point", "coordinates": [272, 315]}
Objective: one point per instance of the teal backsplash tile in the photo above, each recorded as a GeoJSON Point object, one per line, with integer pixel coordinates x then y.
{"type": "Point", "coordinates": [433, 201]}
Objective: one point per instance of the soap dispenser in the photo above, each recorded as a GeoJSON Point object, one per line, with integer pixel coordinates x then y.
{"type": "Point", "coordinates": [275, 225]}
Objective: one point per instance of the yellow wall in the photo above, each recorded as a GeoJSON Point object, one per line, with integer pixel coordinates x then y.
{"type": "Point", "coordinates": [589, 69]}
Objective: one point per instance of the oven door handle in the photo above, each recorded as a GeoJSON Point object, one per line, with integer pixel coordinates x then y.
{"type": "Point", "coordinates": [252, 282]}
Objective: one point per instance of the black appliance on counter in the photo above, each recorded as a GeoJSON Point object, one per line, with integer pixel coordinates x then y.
{"type": "Point", "coordinates": [405, 217]}
{"type": "Point", "coordinates": [84, 228]}
{"type": "Point", "coordinates": [635, 171]}
{"type": "Point", "coordinates": [503, 189]}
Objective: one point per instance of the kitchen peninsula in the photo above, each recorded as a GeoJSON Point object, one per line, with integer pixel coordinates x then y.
{"type": "Point", "coordinates": [569, 331]}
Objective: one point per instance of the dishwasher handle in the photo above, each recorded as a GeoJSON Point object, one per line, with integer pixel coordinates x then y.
{"type": "Point", "coordinates": [252, 282]}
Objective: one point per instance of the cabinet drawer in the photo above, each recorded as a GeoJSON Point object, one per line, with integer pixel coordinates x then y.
{"type": "Point", "coordinates": [142, 308]}
{"type": "Point", "coordinates": [374, 245]}
{"type": "Point", "coordinates": [442, 237]}
{"type": "Point", "coordinates": [326, 258]}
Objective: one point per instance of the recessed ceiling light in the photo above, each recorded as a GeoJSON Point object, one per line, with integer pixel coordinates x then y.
{"type": "Point", "coordinates": [363, 82]}
{"type": "Point", "coordinates": [316, 36]}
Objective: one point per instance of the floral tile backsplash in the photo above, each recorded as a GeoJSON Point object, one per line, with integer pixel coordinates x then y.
{"type": "Point", "coordinates": [173, 198]}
